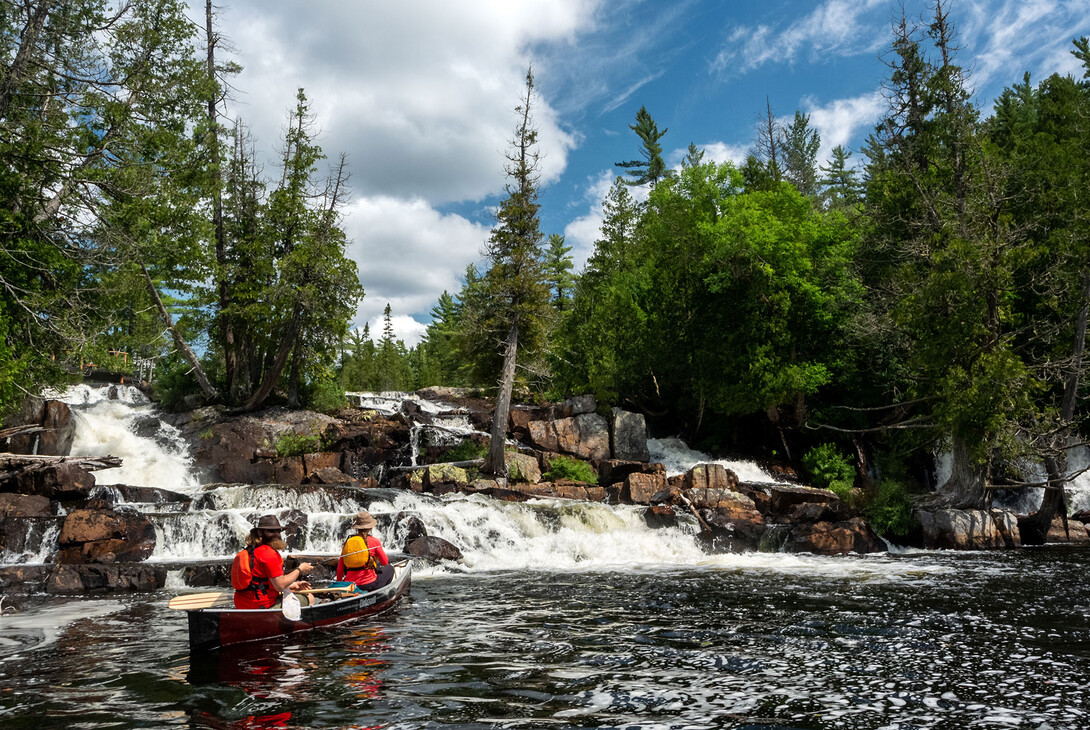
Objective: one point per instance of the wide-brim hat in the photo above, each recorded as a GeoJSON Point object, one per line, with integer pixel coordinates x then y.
{"type": "Point", "coordinates": [269, 522]}
{"type": "Point", "coordinates": [364, 521]}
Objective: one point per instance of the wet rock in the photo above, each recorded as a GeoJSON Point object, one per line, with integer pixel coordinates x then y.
{"type": "Point", "coordinates": [614, 471]}
{"type": "Point", "coordinates": [330, 475]}
{"type": "Point", "coordinates": [783, 499]}
{"type": "Point", "coordinates": [433, 549]}
{"type": "Point", "coordinates": [834, 538]}
{"type": "Point", "coordinates": [201, 576]}
{"type": "Point", "coordinates": [660, 515]}
{"type": "Point", "coordinates": [59, 481]}
{"type": "Point", "coordinates": [1007, 523]}
{"type": "Point", "coordinates": [641, 488]}
{"type": "Point", "coordinates": [1076, 532]}
{"type": "Point", "coordinates": [26, 505]}
{"type": "Point", "coordinates": [407, 528]}
{"type": "Point", "coordinates": [760, 494]}
{"type": "Point", "coordinates": [813, 512]}
{"type": "Point", "coordinates": [733, 532]}
{"type": "Point", "coordinates": [1082, 516]}
{"type": "Point", "coordinates": [629, 436]}
{"type": "Point", "coordinates": [437, 475]}
{"type": "Point", "coordinates": [77, 579]}
{"type": "Point", "coordinates": [21, 535]}
{"type": "Point", "coordinates": [23, 579]}
{"type": "Point", "coordinates": [289, 470]}
{"type": "Point", "coordinates": [710, 476]}
{"type": "Point", "coordinates": [102, 536]}
{"type": "Point", "coordinates": [953, 529]}
{"type": "Point", "coordinates": [112, 494]}
{"type": "Point", "coordinates": [567, 489]}
{"type": "Point", "coordinates": [321, 460]}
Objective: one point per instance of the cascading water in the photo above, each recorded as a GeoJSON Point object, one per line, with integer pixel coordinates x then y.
{"type": "Point", "coordinates": [679, 458]}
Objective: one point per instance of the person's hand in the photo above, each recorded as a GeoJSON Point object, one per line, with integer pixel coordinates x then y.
{"type": "Point", "coordinates": [305, 568]}
{"type": "Point", "coordinates": [299, 585]}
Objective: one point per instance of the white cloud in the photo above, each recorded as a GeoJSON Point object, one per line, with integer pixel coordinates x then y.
{"type": "Point", "coordinates": [582, 232]}
{"type": "Point", "coordinates": [839, 121]}
{"type": "Point", "coordinates": [408, 254]}
{"type": "Point", "coordinates": [713, 152]}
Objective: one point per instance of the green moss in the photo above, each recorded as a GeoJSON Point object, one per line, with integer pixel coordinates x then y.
{"type": "Point", "coordinates": [564, 467]}
{"type": "Point", "coordinates": [295, 444]}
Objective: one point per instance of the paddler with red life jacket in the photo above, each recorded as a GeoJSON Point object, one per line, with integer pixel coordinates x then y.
{"type": "Point", "coordinates": [363, 561]}
{"type": "Point", "coordinates": [261, 564]}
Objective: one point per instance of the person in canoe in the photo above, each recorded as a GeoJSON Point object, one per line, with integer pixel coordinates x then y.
{"type": "Point", "coordinates": [257, 573]}
{"type": "Point", "coordinates": [363, 561]}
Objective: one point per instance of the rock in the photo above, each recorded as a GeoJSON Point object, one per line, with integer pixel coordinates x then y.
{"type": "Point", "coordinates": [1007, 524]}
{"type": "Point", "coordinates": [660, 515]}
{"type": "Point", "coordinates": [760, 494]}
{"type": "Point", "coordinates": [522, 468]}
{"type": "Point", "coordinates": [23, 579]}
{"type": "Point", "coordinates": [814, 512]}
{"type": "Point", "coordinates": [834, 538]}
{"type": "Point", "coordinates": [59, 481]}
{"type": "Point", "coordinates": [436, 475]}
{"type": "Point", "coordinates": [330, 475]}
{"type": "Point", "coordinates": [952, 529]}
{"type": "Point", "coordinates": [585, 436]}
{"type": "Point", "coordinates": [710, 476]}
{"type": "Point", "coordinates": [641, 488]}
{"type": "Point", "coordinates": [202, 576]}
{"type": "Point", "coordinates": [20, 535]}
{"type": "Point", "coordinates": [76, 579]}
{"type": "Point", "coordinates": [407, 528]}
{"type": "Point", "coordinates": [576, 406]}
{"type": "Point", "coordinates": [614, 471]}
{"type": "Point", "coordinates": [1076, 532]}
{"type": "Point", "coordinates": [629, 436]}
{"type": "Point", "coordinates": [60, 429]}
{"type": "Point", "coordinates": [567, 489]}
{"type": "Point", "coordinates": [783, 499]}
{"type": "Point", "coordinates": [289, 470]}
{"type": "Point", "coordinates": [733, 533]}
{"type": "Point", "coordinates": [321, 460]}
{"type": "Point", "coordinates": [433, 549]}
{"type": "Point", "coordinates": [26, 505]}
{"type": "Point", "coordinates": [731, 504]}
{"type": "Point", "coordinates": [112, 494]}
{"type": "Point", "coordinates": [1082, 516]}
{"type": "Point", "coordinates": [101, 536]}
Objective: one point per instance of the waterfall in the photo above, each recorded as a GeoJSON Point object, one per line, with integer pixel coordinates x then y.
{"type": "Point", "coordinates": [679, 458]}
{"type": "Point", "coordinates": [121, 421]}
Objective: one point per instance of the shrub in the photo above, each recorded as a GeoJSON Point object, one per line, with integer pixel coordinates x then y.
{"type": "Point", "coordinates": [295, 444]}
{"type": "Point", "coordinates": [564, 467]}
{"type": "Point", "coordinates": [466, 450]}
{"type": "Point", "coordinates": [829, 469]}
{"type": "Point", "coordinates": [890, 512]}
{"type": "Point", "coordinates": [173, 384]}
{"type": "Point", "coordinates": [327, 396]}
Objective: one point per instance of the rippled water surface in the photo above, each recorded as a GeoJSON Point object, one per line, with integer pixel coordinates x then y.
{"type": "Point", "coordinates": [775, 642]}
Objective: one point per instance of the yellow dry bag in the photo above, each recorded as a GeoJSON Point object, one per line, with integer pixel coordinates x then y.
{"type": "Point", "coordinates": [355, 553]}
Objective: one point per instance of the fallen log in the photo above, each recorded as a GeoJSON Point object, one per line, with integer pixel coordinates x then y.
{"type": "Point", "coordinates": [10, 463]}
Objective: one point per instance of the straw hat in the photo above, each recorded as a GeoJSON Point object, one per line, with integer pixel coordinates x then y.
{"type": "Point", "coordinates": [363, 521]}
{"type": "Point", "coordinates": [269, 522]}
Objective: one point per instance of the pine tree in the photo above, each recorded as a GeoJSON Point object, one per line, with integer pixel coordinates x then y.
{"type": "Point", "coordinates": [800, 146]}
{"type": "Point", "coordinates": [558, 267]}
{"type": "Point", "coordinates": [652, 167]}
{"type": "Point", "coordinates": [840, 183]}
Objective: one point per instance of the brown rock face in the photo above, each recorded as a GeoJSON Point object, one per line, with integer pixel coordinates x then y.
{"type": "Point", "coordinates": [641, 488]}
{"type": "Point", "coordinates": [955, 529]}
{"type": "Point", "coordinates": [73, 579]}
{"type": "Point", "coordinates": [433, 548]}
{"type": "Point", "coordinates": [783, 499]}
{"type": "Point", "coordinates": [65, 480]}
{"type": "Point", "coordinates": [100, 536]}
{"type": "Point", "coordinates": [585, 435]}
{"type": "Point", "coordinates": [25, 505]}
{"type": "Point", "coordinates": [710, 476]}
{"type": "Point", "coordinates": [522, 467]}
{"type": "Point", "coordinates": [1076, 532]}
{"type": "Point", "coordinates": [614, 471]}
{"type": "Point", "coordinates": [834, 538]}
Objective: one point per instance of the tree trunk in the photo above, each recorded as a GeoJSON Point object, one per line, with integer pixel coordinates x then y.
{"type": "Point", "coordinates": [965, 487]}
{"type": "Point", "coordinates": [179, 341]}
{"type": "Point", "coordinates": [19, 65]}
{"type": "Point", "coordinates": [272, 374]}
{"type": "Point", "coordinates": [496, 462]}
{"type": "Point", "coordinates": [1034, 527]}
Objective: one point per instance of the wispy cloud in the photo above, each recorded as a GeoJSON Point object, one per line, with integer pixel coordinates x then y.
{"type": "Point", "coordinates": [834, 28]}
{"type": "Point", "coordinates": [627, 93]}
{"type": "Point", "coordinates": [839, 121]}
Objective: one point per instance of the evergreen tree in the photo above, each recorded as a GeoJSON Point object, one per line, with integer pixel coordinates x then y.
{"type": "Point", "coordinates": [693, 156]}
{"type": "Point", "coordinates": [652, 167]}
{"type": "Point", "coordinates": [515, 281]}
{"type": "Point", "coordinates": [800, 146]}
{"type": "Point", "coordinates": [558, 266]}
{"type": "Point", "coordinates": [840, 183]}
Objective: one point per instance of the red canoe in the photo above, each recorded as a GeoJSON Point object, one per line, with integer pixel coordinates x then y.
{"type": "Point", "coordinates": [211, 628]}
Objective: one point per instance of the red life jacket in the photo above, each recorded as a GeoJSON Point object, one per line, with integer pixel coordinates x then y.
{"type": "Point", "coordinates": [242, 573]}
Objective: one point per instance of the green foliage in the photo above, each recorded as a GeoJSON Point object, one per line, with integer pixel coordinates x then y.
{"type": "Point", "coordinates": [652, 167]}
{"type": "Point", "coordinates": [890, 511]}
{"type": "Point", "coordinates": [829, 469]}
{"type": "Point", "coordinates": [326, 396]}
{"type": "Point", "coordinates": [172, 383]}
{"type": "Point", "coordinates": [465, 450]}
{"type": "Point", "coordinates": [565, 467]}
{"type": "Point", "coordinates": [296, 444]}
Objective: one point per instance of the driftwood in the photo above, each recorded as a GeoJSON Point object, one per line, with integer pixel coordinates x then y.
{"type": "Point", "coordinates": [6, 433]}
{"type": "Point", "coordinates": [10, 463]}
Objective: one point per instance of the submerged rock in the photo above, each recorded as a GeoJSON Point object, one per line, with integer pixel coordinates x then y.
{"type": "Point", "coordinates": [433, 549]}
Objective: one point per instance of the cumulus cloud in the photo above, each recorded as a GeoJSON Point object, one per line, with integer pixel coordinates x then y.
{"type": "Point", "coordinates": [841, 120]}
{"type": "Point", "coordinates": [408, 254]}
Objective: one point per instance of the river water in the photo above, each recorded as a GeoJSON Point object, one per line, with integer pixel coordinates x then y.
{"type": "Point", "coordinates": [570, 615]}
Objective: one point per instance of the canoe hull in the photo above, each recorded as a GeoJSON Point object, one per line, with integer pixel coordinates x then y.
{"type": "Point", "coordinates": [211, 628]}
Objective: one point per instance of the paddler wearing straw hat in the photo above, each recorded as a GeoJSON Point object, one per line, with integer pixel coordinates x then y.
{"type": "Point", "coordinates": [363, 561]}
{"type": "Point", "coordinates": [266, 567]}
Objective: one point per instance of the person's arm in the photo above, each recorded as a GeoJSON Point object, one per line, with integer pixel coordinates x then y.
{"type": "Point", "coordinates": [341, 570]}
{"type": "Point", "coordinates": [288, 580]}
{"type": "Point", "coordinates": [379, 553]}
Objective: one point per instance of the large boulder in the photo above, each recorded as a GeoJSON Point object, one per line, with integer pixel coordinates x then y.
{"type": "Point", "coordinates": [26, 505]}
{"type": "Point", "coordinates": [522, 467]}
{"type": "Point", "coordinates": [433, 549]}
{"type": "Point", "coordinates": [103, 536]}
{"type": "Point", "coordinates": [954, 529]}
{"type": "Point", "coordinates": [61, 480]}
{"type": "Point", "coordinates": [642, 488]}
{"type": "Point", "coordinates": [436, 475]}
{"type": "Point", "coordinates": [1076, 532]}
{"type": "Point", "coordinates": [629, 436]}
{"type": "Point", "coordinates": [710, 476]}
{"type": "Point", "coordinates": [783, 499]}
{"type": "Point", "coordinates": [58, 428]}
{"type": "Point", "coordinates": [615, 471]}
{"type": "Point", "coordinates": [76, 579]}
{"type": "Point", "coordinates": [585, 435]}
{"type": "Point", "coordinates": [834, 538]}
{"type": "Point", "coordinates": [1006, 522]}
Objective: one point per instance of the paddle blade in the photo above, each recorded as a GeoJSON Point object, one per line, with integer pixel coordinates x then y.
{"type": "Point", "coordinates": [195, 601]}
{"type": "Point", "coordinates": [292, 609]}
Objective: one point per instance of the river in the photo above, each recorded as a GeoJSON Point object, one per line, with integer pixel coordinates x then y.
{"type": "Point", "coordinates": [567, 615]}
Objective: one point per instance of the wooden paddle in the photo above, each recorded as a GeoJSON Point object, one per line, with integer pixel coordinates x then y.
{"type": "Point", "coordinates": [195, 601]}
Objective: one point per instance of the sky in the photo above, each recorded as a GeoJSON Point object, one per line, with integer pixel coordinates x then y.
{"type": "Point", "coordinates": [421, 94]}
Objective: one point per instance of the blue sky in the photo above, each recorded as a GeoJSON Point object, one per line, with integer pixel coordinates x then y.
{"type": "Point", "coordinates": [420, 95]}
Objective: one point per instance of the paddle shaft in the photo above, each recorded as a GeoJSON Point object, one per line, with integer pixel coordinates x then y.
{"type": "Point", "coordinates": [326, 561]}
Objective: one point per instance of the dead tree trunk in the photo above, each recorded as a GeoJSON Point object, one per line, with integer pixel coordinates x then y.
{"type": "Point", "coordinates": [179, 341]}
{"type": "Point", "coordinates": [496, 462]}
